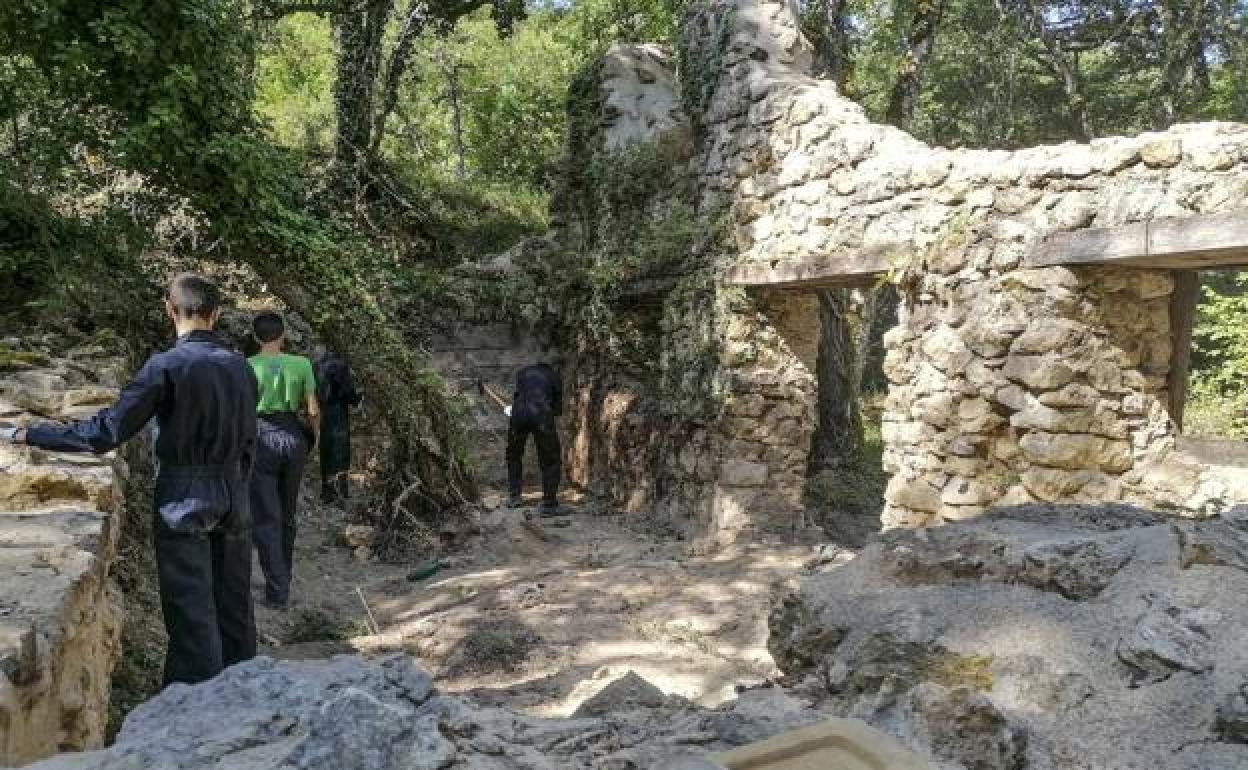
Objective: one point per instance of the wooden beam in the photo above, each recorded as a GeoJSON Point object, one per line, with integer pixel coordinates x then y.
{"type": "Point", "coordinates": [1183, 303]}
{"type": "Point", "coordinates": [820, 272]}
{"type": "Point", "coordinates": [1094, 245]}
{"type": "Point", "coordinates": [1180, 243]}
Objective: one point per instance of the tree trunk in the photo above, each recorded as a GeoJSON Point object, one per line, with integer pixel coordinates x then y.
{"type": "Point", "coordinates": [825, 25]}
{"type": "Point", "coordinates": [1184, 70]}
{"type": "Point", "coordinates": [451, 70]}
{"type": "Point", "coordinates": [358, 32]}
{"type": "Point", "coordinates": [838, 431]}
{"type": "Point", "coordinates": [919, 44]}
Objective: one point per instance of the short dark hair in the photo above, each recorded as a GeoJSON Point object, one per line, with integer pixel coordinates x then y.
{"type": "Point", "coordinates": [268, 326]}
{"type": "Point", "coordinates": [193, 296]}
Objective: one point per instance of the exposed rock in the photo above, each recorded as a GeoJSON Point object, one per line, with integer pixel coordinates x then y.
{"type": "Point", "coordinates": [384, 715]}
{"type": "Point", "coordinates": [1232, 716]}
{"type": "Point", "coordinates": [1167, 638]}
{"type": "Point", "coordinates": [963, 726]}
{"type": "Point", "coordinates": [1020, 640]}
{"type": "Point", "coordinates": [60, 614]}
{"type": "Point", "coordinates": [630, 691]}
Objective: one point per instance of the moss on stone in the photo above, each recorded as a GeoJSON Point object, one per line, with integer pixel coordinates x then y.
{"type": "Point", "coordinates": [11, 359]}
{"type": "Point", "coordinates": [953, 670]}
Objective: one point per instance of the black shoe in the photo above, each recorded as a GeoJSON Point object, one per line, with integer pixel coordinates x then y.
{"type": "Point", "coordinates": [551, 509]}
{"type": "Point", "coordinates": [273, 604]}
{"type": "Point", "coordinates": [515, 501]}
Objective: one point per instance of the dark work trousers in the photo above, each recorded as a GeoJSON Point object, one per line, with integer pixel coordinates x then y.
{"type": "Point", "coordinates": [546, 437]}
{"type": "Point", "coordinates": [281, 451]}
{"type": "Point", "coordinates": [335, 450]}
{"type": "Point", "coordinates": [205, 595]}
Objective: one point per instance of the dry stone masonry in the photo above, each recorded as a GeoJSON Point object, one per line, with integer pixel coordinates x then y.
{"type": "Point", "coordinates": [1009, 383]}
{"type": "Point", "coordinates": [60, 614]}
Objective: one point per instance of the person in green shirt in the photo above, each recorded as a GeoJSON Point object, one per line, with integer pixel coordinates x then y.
{"type": "Point", "coordinates": [287, 387]}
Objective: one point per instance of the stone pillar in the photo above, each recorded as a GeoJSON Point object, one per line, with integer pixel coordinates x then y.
{"type": "Point", "coordinates": [1035, 384]}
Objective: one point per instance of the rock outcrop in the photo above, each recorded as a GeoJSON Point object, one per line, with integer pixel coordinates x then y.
{"type": "Point", "coordinates": [59, 525]}
{"type": "Point", "coordinates": [350, 714]}
{"type": "Point", "coordinates": [1037, 637]}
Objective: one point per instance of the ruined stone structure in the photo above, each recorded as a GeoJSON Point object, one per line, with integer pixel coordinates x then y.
{"type": "Point", "coordinates": [1042, 345]}
{"type": "Point", "coordinates": [60, 519]}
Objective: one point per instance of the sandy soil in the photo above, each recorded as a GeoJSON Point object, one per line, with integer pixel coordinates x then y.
{"type": "Point", "coordinates": [540, 614]}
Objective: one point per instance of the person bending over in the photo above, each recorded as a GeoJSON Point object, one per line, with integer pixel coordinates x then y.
{"type": "Point", "coordinates": [335, 387]}
{"type": "Point", "coordinates": [537, 401]}
{"type": "Point", "coordinates": [203, 396]}
{"type": "Point", "coordinates": [287, 387]}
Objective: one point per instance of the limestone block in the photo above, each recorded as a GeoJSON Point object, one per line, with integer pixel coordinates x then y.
{"type": "Point", "coordinates": [742, 473]}
{"type": "Point", "coordinates": [1041, 279]}
{"type": "Point", "coordinates": [1047, 372]}
{"type": "Point", "coordinates": [896, 517]}
{"type": "Point", "coordinates": [1162, 153]}
{"type": "Point", "coordinates": [918, 494]}
{"type": "Point", "coordinates": [976, 415]}
{"type": "Point", "coordinates": [1098, 419]}
{"type": "Point", "coordinates": [962, 491]}
{"type": "Point", "coordinates": [946, 350]}
{"type": "Point", "coordinates": [907, 433]}
{"type": "Point", "coordinates": [1045, 335]}
{"type": "Point", "coordinates": [1056, 485]}
{"type": "Point", "coordinates": [1114, 155]}
{"type": "Point", "coordinates": [1077, 451]}
{"type": "Point", "coordinates": [1074, 394]}
{"type": "Point", "coordinates": [936, 409]}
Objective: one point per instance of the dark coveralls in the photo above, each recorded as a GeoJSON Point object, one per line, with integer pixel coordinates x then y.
{"type": "Point", "coordinates": [335, 389]}
{"type": "Point", "coordinates": [538, 400]}
{"type": "Point", "coordinates": [203, 397]}
{"type": "Point", "coordinates": [282, 451]}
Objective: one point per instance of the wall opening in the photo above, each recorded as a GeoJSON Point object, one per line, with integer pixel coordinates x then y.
{"type": "Point", "coordinates": [1210, 396]}
{"type": "Point", "coordinates": [845, 475]}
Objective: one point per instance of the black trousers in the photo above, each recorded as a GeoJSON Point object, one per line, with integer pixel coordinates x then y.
{"type": "Point", "coordinates": [335, 451]}
{"type": "Point", "coordinates": [281, 453]}
{"type": "Point", "coordinates": [205, 597]}
{"type": "Point", "coordinates": [546, 437]}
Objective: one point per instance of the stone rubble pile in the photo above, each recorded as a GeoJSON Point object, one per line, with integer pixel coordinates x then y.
{"type": "Point", "coordinates": [1038, 637]}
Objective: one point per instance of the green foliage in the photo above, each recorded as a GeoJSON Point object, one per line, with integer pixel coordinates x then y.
{"type": "Point", "coordinates": [1218, 398]}
{"type": "Point", "coordinates": [294, 75]}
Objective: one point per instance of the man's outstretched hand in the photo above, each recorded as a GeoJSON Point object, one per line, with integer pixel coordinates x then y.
{"type": "Point", "coordinates": [13, 435]}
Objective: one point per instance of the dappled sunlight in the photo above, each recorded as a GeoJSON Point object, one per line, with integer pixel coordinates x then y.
{"type": "Point", "coordinates": [547, 634]}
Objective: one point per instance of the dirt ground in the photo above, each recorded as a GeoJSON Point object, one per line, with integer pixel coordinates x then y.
{"type": "Point", "coordinates": [540, 614]}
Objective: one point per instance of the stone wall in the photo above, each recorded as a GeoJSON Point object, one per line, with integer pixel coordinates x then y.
{"type": "Point", "coordinates": [491, 351]}
{"type": "Point", "coordinates": [1007, 384]}
{"type": "Point", "coordinates": [685, 401]}
{"type": "Point", "coordinates": [60, 612]}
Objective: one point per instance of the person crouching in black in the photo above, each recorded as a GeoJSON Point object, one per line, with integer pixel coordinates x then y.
{"type": "Point", "coordinates": [537, 401]}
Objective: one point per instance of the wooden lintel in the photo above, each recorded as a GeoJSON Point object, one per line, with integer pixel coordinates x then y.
{"type": "Point", "coordinates": [1179, 243]}
{"type": "Point", "coordinates": [823, 272]}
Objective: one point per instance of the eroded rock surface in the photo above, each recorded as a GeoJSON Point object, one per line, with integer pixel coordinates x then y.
{"type": "Point", "coordinates": [59, 611]}
{"type": "Point", "coordinates": [1072, 637]}
{"type": "Point", "coordinates": [348, 713]}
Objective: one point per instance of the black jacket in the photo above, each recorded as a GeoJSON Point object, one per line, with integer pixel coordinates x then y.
{"type": "Point", "coordinates": [334, 383]}
{"type": "Point", "coordinates": [203, 396]}
{"type": "Point", "coordinates": [538, 395]}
